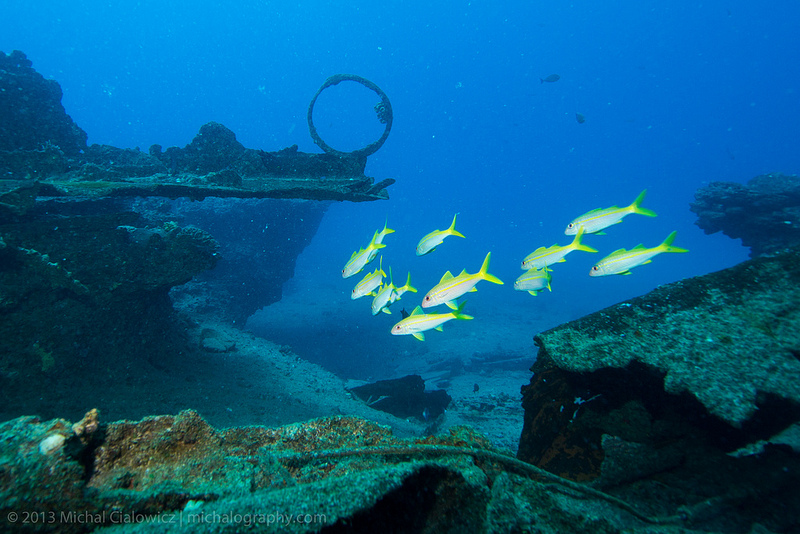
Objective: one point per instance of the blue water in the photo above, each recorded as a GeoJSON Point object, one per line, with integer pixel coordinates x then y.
{"type": "Point", "coordinates": [675, 95]}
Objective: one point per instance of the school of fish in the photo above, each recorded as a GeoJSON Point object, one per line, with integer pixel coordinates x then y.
{"type": "Point", "coordinates": [537, 266]}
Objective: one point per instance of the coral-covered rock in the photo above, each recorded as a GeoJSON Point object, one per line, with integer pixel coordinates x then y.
{"type": "Point", "coordinates": [179, 474]}
{"type": "Point", "coordinates": [31, 115]}
{"type": "Point", "coordinates": [764, 214]}
{"type": "Point", "coordinates": [667, 385]}
{"type": "Point", "coordinates": [91, 287]}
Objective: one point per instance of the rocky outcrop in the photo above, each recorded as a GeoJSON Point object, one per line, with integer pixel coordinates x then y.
{"type": "Point", "coordinates": [332, 474]}
{"type": "Point", "coordinates": [92, 287]}
{"type": "Point", "coordinates": [31, 115]}
{"type": "Point", "coordinates": [672, 389]}
{"type": "Point", "coordinates": [764, 214]}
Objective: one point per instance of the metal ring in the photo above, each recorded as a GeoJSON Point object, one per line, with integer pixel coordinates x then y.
{"type": "Point", "coordinates": [383, 109]}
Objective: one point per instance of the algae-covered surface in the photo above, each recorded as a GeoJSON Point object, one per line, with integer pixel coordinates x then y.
{"type": "Point", "coordinates": [725, 337]}
{"type": "Point", "coordinates": [179, 474]}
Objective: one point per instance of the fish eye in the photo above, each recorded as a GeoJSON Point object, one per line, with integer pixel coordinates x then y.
{"type": "Point", "coordinates": [427, 298]}
{"type": "Point", "coordinates": [570, 225]}
{"type": "Point", "coordinates": [595, 268]}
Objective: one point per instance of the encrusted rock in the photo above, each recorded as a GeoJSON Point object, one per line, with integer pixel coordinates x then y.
{"type": "Point", "coordinates": [31, 114]}
{"type": "Point", "coordinates": [86, 427]}
{"type": "Point", "coordinates": [666, 386]}
{"type": "Point", "coordinates": [765, 213]}
{"type": "Point", "coordinates": [339, 473]}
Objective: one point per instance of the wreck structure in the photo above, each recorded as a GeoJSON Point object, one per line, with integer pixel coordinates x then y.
{"type": "Point", "coordinates": [94, 238]}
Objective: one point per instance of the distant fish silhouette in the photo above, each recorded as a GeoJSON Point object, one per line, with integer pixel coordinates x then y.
{"type": "Point", "coordinates": [550, 79]}
{"type": "Point", "coordinates": [580, 118]}
{"type": "Point", "coordinates": [404, 313]}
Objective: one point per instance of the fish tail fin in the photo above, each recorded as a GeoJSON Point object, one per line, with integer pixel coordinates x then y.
{"type": "Point", "coordinates": [452, 230]}
{"type": "Point", "coordinates": [636, 207]}
{"type": "Point", "coordinates": [458, 313]}
{"type": "Point", "coordinates": [577, 245]}
{"type": "Point", "coordinates": [666, 246]}
{"type": "Point", "coordinates": [408, 286]}
{"type": "Point", "coordinates": [386, 230]}
{"type": "Point", "coordinates": [484, 272]}
{"type": "Point", "coordinates": [373, 243]}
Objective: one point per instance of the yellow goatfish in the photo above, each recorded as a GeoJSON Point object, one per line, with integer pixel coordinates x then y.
{"type": "Point", "coordinates": [369, 283]}
{"type": "Point", "coordinates": [379, 239]}
{"type": "Point", "coordinates": [383, 298]}
{"type": "Point", "coordinates": [418, 322]}
{"type": "Point", "coordinates": [388, 294]}
{"type": "Point", "coordinates": [451, 287]}
{"type": "Point", "coordinates": [544, 256]}
{"type": "Point", "coordinates": [435, 238]}
{"type": "Point", "coordinates": [360, 258]}
{"type": "Point", "coordinates": [598, 219]}
{"type": "Point", "coordinates": [622, 261]}
{"type": "Point", "coordinates": [533, 281]}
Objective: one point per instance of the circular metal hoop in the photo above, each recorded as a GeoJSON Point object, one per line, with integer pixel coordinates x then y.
{"type": "Point", "coordinates": [383, 109]}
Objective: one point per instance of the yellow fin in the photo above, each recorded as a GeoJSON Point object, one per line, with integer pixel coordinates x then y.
{"type": "Point", "coordinates": [446, 276]}
{"type": "Point", "coordinates": [419, 335]}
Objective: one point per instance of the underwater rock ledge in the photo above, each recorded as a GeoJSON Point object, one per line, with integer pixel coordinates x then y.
{"type": "Point", "coordinates": [765, 213]}
{"type": "Point", "coordinates": [671, 390]}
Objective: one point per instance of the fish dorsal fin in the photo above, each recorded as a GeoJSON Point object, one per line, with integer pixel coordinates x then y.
{"type": "Point", "coordinates": [638, 247]}
{"type": "Point", "coordinates": [446, 276]}
{"type": "Point", "coordinates": [463, 272]}
{"type": "Point", "coordinates": [418, 311]}
{"type": "Point", "coordinates": [595, 210]}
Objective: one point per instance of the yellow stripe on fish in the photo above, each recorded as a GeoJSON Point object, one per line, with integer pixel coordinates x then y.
{"type": "Point", "coordinates": [382, 299]}
{"type": "Point", "coordinates": [419, 322]}
{"type": "Point", "coordinates": [360, 258]}
{"type": "Point", "coordinates": [434, 239]}
{"type": "Point", "coordinates": [544, 256]}
{"type": "Point", "coordinates": [596, 220]}
{"type": "Point", "coordinates": [533, 281]}
{"type": "Point", "coordinates": [622, 261]}
{"type": "Point", "coordinates": [388, 294]}
{"type": "Point", "coordinates": [451, 287]}
{"type": "Point", "coordinates": [369, 283]}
